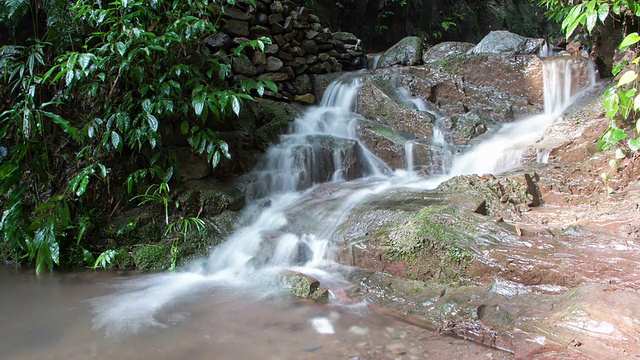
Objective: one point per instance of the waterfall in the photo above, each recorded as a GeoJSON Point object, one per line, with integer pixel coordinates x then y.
{"type": "Point", "coordinates": [504, 149]}
{"type": "Point", "coordinates": [322, 147]}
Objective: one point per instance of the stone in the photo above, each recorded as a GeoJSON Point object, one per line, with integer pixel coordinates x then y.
{"type": "Point", "coordinates": [273, 64]}
{"type": "Point", "coordinates": [262, 19]}
{"type": "Point", "coordinates": [444, 50]}
{"type": "Point", "coordinates": [304, 286]}
{"type": "Point", "coordinates": [285, 56]}
{"type": "Point", "coordinates": [276, 76]}
{"type": "Point", "coordinates": [311, 34]}
{"type": "Point", "coordinates": [276, 7]}
{"type": "Point", "coordinates": [275, 18]}
{"type": "Point", "coordinates": [259, 60]}
{"type": "Point", "coordinates": [191, 166]}
{"type": "Point", "coordinates": [244, 67]}
{"type": "Point", "coordinates": [345, 37]}
{"type": "Point", "coordinates": [218, 41]}
{"type": "Point", "coordinates": [504, 42]}
{"type": "Point", "coordinates": [260, 31]}
{"type": "Point", "coordinates": [277, 29]}
{"type": "Point", "coordinates": [309, 46]}
{"type": "Point", "coordinates": [406, 52]}
{"type": "Point", "coordinates": [235, 28]}
{"type": "Point", "coordinates": [307, 98]}
{"type": "Point", "coordinates": [271, 49]}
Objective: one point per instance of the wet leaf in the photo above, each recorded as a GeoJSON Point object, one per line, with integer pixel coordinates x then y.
{"type": "Point", "coordinates": [629, 40]}
{"type": "Point", "coordinates": [627, 78]}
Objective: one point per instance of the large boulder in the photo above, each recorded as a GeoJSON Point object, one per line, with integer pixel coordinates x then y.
{"type": "Point", "coordinates": [445, 49]}
{"type": "Point", "coordinates": [407, 51]}
{"type": "Point", "coordinates": [504, 42]}
{"type": "Point", "coordinates": [379, 101]}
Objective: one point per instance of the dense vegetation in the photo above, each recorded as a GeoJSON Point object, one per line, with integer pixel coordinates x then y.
{"type": "Point", "coordinates": [621, 101]}
{"type": "Point", "coordinates": [89, 91]}
{"type": "Point", "coordinates": [88, 94]}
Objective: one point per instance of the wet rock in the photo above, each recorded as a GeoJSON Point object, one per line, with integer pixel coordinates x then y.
{"type": "Point", "coordinates": [152, 257]}
{"type": "Point", "coordinates": [244, 67]}
{"type": "Point", "coordinates": [305, 98]}
{"type": "Point", "coordinates": [384, 141]}
{"type": "Point", "coordinates": [235, 28]}
{"type": "Point", "coordinates": [318, 160]}
{"type": "Point", "coordinates": [407, 52]}
{"type": "Point", "coordinates": [345, 37]}
{"type": "Point", "coordinates": [504, 42]}
{"type": "Point", "coordinates": [444, 50]}
{"type": "Point", "coordinates": [209, 197]}
{"type": "Point", "coordinates": [377, 102]}
{"type": "Point", "coordinates": [304, 286]}
{"type": "Point", "coordinates": [497, 87]}
{"type": "Point", "coordinates": [218, 41]}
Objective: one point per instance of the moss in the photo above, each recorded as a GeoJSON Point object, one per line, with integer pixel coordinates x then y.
{"type": "Point", "coordinates": [152, 257]}
{"type": "Point", "coordinates": [433, 244]}
{"type": "Point", "coordinates": [123, 259]}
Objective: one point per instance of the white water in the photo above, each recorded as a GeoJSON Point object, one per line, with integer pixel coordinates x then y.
{"type": "Point", "coordinates": [284, 188]}
{"type": "Point", "coordinates": [504, 150]}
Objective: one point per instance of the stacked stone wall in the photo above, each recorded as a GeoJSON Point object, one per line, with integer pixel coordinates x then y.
{"type": "Point", "coordinates": [301, 48]}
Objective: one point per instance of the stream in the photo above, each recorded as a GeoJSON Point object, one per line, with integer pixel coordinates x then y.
{"type": "Point", "coordinates": [229, 305]}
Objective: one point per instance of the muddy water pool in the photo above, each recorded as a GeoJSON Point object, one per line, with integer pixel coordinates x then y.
{"type": "Point", "coordinates": [62, 316]}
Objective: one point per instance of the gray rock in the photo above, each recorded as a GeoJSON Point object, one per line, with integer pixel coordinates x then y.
{"type": "Point", "coordinates": [244, 67]}
{"type": "Point", "coordinates": [274, 64]}
{"type": "Point", "coordinates": [345, 37]}
{"type": "Point", "coordinates": [236, 28]}
{"type": "Point", "coordinates": [445, 49]}
{"type": "Point", "coordinates": [504, 42]}
{"type": "Point", "coordinates": [218, 41]}
{"type": "Point", "coordinates": [407, 51]}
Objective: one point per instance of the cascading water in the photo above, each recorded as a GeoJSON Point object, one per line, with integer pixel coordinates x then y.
{"type": "Point", "coordinates": [504, 149]}
{"type": "Point", "coordinates": [322, 147]}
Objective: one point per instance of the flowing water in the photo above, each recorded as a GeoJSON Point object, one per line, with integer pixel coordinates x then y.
{"type": "Point", "coordinates": [215, 307]}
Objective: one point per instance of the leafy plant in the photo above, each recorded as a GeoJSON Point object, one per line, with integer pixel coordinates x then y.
{"type": "Point", "coordinates": [108, 79]}
{"type": "Point", "coordinates": [621, 100]}
{"type": "Point", "coordinates": [182, 227]}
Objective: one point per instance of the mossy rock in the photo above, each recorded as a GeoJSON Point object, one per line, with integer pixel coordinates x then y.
{"type": "Point", "coordinates": [304, 286]}
{"type": "Point", "coordinates": [152, 257]}
{"type": "Point", "coordinates": [198, 243]}
{"type": "Point", "coordinates": [124, 260]}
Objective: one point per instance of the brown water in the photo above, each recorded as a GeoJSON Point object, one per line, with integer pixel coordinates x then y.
{"type": "Point", "coordinates": [55, 316]}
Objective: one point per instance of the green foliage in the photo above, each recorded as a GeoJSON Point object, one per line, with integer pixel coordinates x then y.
{"type": "Point", "coordinates": [621, 101]}
{"type": "Point", "coordinates": [108, 79]}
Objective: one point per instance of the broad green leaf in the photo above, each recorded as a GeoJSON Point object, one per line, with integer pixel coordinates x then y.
{"type": "Point", "coordinates": [591, 17]}
{"type": "Point", "coordinates": [603, 12]}
{"type": "Point", "coordinates": [121, 48]}
{"type": "Point", "coordinates": [614, 164]}
{"type": "Point", "coordinates": [147, 105]}
{"type": "Point", "coordinates": [115, 140]}
{"type": "Point", "coordinates": [184, 127]}
{"type": "Point", "coordinates": [88, 257]}
{"type": "Point", "coordinates": [627, 78]}
{"type": "Point", "coordinates": [636, 103]}
{"type": "Point", "coordinates": [260, 88]}
{"type": "Point", "coordinates": [198, 105]}
{"type": "Point", "coordinates": [616, 69]}
{"type": "Point", "coordinates": [153, 122]}
{"type": "Point", "coordinates": [216, 159]}
{"type": "Point", "coordinates": [235, 105]}
{"type": "Point", "coordinates": [84, 60]}
{"type": "Point", "coordinates": [64, 124]}
{"type": "Point", "coordinates": [620, 154]}
{"type": "Point", "coordinates": [634, 144]}
{"type": "Point", "coordinates": [629, 40]}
